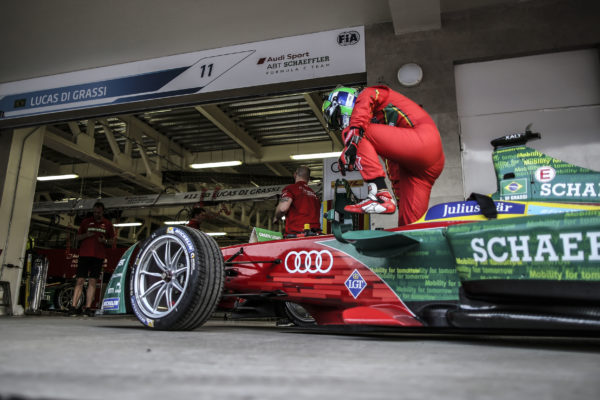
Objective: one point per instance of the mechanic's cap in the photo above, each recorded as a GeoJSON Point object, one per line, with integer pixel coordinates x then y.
{"type": "Point", "coordinates": [338, 106]}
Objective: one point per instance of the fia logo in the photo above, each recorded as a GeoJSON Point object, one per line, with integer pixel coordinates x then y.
{"type": "Point", "coordinates": [355, 283]}
{"type": "Point", "coordinates": [348, 38]}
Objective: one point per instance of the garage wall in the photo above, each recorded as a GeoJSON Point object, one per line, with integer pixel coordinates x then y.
{"type": "Point", "coordinates": [42, 37]}
{"type": "Point", "coordinates": [558, 93]}
{"type": "Point", "coordinates": [528, 28]}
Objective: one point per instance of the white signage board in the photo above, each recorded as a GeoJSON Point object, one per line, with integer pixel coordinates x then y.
{"type": "Point", "coordinates": [331, 173]}
{"type": "Point", "coordinates": [310, 56]}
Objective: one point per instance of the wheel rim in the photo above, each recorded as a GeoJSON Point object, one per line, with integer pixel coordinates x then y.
{"type": "Point", "coordinates": [299, 313]}
{"type": "Point", "coordinates": [162, 276]}
{"type": "Point", "coordinates": [65, 298]}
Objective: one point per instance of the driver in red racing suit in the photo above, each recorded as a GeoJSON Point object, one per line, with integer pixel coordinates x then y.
{"type": "Point", "coordinates": [380, 121]}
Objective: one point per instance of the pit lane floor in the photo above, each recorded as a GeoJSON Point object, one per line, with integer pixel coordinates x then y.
{"type": "Point", "coordinates": [59, 357]}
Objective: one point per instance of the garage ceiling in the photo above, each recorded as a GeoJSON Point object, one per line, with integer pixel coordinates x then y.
{"type": "Point", "coordinates": [203, 132]}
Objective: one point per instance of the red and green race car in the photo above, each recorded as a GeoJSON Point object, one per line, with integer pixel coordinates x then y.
{"type": "Point", "coordinates": [525, 258]}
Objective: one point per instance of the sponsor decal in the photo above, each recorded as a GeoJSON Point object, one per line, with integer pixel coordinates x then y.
{"type": "Point", "coordinates": [170, 230]}
{"type": "Point", "coordinates": [534, 209]}
{"type": "Point", "coordinates": [554, 246]}
{"type": "Point", "coordinates": [545, 174]}
{"type": "Point", "coordinates": [111, 303]}
{"type": "Point", "coordinates": [186, 240]}
{"type": "Point", "coordinates": [293, 62]}
{"type": "Point", "coordinates": [467, 208]}
{"type": "Point", "coordinates": [308, 261]}
{"type": "Point", "coordinates": [570, 189]}
{"type": "Point", "coordinates": [514, 189]}
{"type": "Point", "coordinates": [348, 38]}
{"type": "Point", "coordinates": [268, 236]}
{"type": "Point", "coordinates": [540, 248]}
{"type": "Point", "coordinates": [355, 283]}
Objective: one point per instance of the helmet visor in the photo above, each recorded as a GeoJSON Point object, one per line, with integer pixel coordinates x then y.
{"type": "Point", "coordinates": [344, 99]}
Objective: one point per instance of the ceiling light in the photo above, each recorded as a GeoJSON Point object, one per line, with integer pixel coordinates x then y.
{"type": "Point", "coordinates": [122, 224]}
{"type": "Point", "coordinates": [216, 233]}
{"type": "Point", "coordinates": [315, 155]}
{"type": "Point", "coordinates": [176, 222]}
{"type": "Point", "coordinates": [57, 177]}
{"type": "Point", "coordinates": [216, 164]}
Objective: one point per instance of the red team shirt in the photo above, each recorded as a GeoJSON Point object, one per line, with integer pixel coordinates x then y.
{"type": "Point", "coordinates": [91, 247]}
{"type": "Point", "coordinates": [305, 208]}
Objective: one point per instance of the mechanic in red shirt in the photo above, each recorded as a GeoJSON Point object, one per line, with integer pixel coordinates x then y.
{"type": "Point", "coordinates": [197, 215]}
{"type": "Point", "coordinates": [299, 204]}
{"type": "Point", "coordinates": [93, 235]}
{"type": "Point", "coordinates": [379, 121]}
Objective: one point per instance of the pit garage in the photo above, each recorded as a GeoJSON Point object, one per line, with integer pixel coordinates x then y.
{"type": "Point", "coordinates": [249, 90]}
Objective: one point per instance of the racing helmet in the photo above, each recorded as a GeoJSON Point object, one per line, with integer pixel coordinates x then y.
{"type": "Point", "coordinates": [338, 106]}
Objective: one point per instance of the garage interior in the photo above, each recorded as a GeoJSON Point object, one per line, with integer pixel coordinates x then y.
{"type": "Point", "coordinates": [154, 143]}
{"type": "Point", "coordinates": [131, 151]}
{"type": "Point", "coordinates": [128, 151]}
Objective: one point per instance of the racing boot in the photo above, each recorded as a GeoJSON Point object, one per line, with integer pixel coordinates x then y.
{"type": "Point", "coordinates": [377, 202]}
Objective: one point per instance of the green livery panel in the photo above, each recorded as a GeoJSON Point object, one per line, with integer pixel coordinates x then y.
{"type": "Point", "coordinates": [558, 247]}
{"type": "Point", "coordinates": [424, 272]}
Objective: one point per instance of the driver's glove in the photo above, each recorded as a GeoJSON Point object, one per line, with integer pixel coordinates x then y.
{"type": "Point", "coordinates": [347, 159]}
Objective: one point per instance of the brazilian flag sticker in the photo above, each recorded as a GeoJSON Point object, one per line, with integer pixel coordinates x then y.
{"type": "Point", "coordinates": [513, 189]}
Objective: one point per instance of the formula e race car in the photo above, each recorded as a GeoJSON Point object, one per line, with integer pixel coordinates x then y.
{"type": "Point", "coordinates": [525, 258]}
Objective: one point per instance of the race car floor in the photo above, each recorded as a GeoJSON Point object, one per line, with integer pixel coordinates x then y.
{"type": "Point", "coordinates": [59, 357]}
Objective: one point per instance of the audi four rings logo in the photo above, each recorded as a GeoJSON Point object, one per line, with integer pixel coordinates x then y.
{"type": "Point", "coordinates": [308, 261]}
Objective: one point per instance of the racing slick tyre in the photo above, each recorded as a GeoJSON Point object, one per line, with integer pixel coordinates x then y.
{"type": "Point", "coordinates": [177, 279]}
{"type": "Point", "coordinates": [296, 314]}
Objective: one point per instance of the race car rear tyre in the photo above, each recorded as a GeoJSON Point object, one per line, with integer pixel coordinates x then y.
{"type": "Point", "coordinates": [177, 279]}
{"type": "Point", "coordinates": [63, 296]}
{"type": "Point", "coordinates": [296, 314]}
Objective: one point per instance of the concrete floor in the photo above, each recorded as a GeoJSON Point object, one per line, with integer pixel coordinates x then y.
{"type": "Point", "coordinates": [56, 357]}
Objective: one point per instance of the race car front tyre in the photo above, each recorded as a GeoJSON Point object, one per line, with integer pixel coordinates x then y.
{"type": "Point", "coordinates": [177, 279]}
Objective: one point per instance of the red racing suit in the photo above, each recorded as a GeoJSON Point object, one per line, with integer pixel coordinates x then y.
{"type": "Point", "coordinates": [400, 131]}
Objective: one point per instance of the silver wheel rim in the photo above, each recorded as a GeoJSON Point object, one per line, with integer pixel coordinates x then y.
{"type": "Point", "coordinates": [299, 312]}
{"type": "Point", "coordinates": [66, 296]}
{"type": "Point", "coordinates": [162, 276]}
